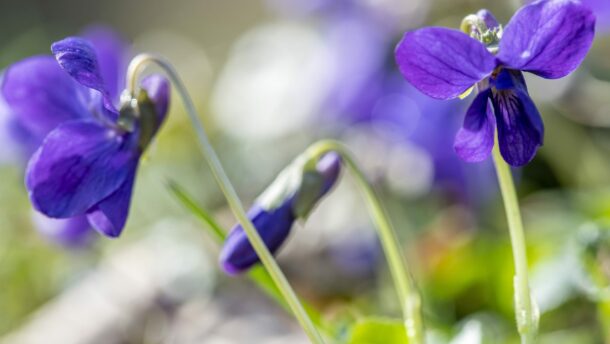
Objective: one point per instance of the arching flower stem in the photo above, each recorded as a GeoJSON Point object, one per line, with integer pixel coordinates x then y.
{"type": "Point", "coordinates": [410, 300]}
{"type": "Point", "coordinates": [135, 67]}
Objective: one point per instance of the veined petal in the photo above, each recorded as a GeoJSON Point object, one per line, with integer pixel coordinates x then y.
{"type": "Point", "coordinates": [112, 55]}
{"type": "Point", "coordinates": [79, 164]}
{"type": "Point", "coordinates": [549, 38]}
{"type": "Point", "coordinates": [520, 127]}
{"type": "Point", "coordinates": [443, 63]}
{"type": "Point", "coordinates": [40, 95]}
{"type": "Point", "coordinates": [475, 140]}
{"type": "Point", "coordinates": [79, 59]}
{"type": "Point", "coordinates": [238, 255]}
{"type": "Point", "coordinates": [110, 215]}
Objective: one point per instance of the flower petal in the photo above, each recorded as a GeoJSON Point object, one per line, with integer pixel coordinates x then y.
{"type": "Point", "coordinates": [73, 232]}
{"type": "Point", "coordinates": [549, 38]}
{"type": "Point", "coordinates": [79, 59]}
{"type": "Point", "coordinates": [79, 164]}
{"type": "Point", "coordinates": [110, 215]}
{"type": "Point", "coordinates": [112, 55]}
{"type": "Point", "coordinates": [443, 63]}
{"type": "Point", "coordinates": [238, 255]}
{"type": "Point", "coordinates": [475, 140]}
{"type": "Point", "coordinates": [40, 95]}
{"type": "Point", "coordinates": [520, 127]}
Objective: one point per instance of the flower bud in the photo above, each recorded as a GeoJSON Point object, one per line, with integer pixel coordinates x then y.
{"type": "Point", "coordinates": [292, 195]}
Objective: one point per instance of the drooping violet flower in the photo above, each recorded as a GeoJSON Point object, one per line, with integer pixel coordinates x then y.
{"type": "Point", "coordinates": [87, 162]}
{"type": "Point", "coordinates": [291, 196]}
{"type": "Point", "coordinates": [548, 38]}
{"type": "Point", "coordinates": [37, 109]}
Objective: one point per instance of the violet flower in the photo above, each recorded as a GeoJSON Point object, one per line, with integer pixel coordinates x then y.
{"type": "Point", "coordinates": [25, 129]}
{"type": "Point", "coordinates": [87, 162]}
{"type": "Point", "coordinates": [548, 38]}
{"type": "Point", "coordinates": [291, 196]}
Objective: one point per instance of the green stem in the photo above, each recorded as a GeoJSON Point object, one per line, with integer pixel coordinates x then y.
{"type": "Point", "coordinates": [258, 275]}
{"type": "Point", "coordinates": [138, 63]}
{"type": "Point", "coordinates": [410, 300]}
{"type": "Point", "coordinates": [526, 311]}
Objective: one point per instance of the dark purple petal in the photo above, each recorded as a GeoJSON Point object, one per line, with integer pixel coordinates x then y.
{"type": "Point", "coordinates": [548, 38]}
{"type": "Point", "coordinates": [112, 55]}
{"type": "Point", "coordinates": [73, 232]}
{"type": "Point", "coordinates": [490, 21]}
{"type": "Point", "coordinates": [238, 255]}
{"type": "Point", "coordinates": [40, 95]}
{"type": "Point", "coordinates": [520, 127]}
{"type": "Point", "coordinates": [443, 63]}
{"type": "Point", "coordinates": [79, 164]}
{"type": "Point", "coordinates": [79, 59]}
{"type": "Point", "coordinates": [475, 140]}
{"type": "Point", "coordinates": [157, 87]}
{"type": "Point", "coordinates": [110, 215]}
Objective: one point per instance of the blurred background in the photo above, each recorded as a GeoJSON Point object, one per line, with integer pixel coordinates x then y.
{"type": "Point", "coordinates": [270, 77]}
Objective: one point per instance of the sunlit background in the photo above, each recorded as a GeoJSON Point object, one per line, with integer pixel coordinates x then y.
{"type": "Point", "coordinates": [269, 78]}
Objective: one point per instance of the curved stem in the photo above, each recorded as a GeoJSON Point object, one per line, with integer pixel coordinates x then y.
{"type": "Point", "coordinates": [138, 63]}
{"type": "Point", "coordinates": [526, 311]}
{"type": "Point", "coordinates": [410, 300]}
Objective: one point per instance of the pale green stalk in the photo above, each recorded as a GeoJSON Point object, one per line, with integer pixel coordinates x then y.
{"type": "Point", "coordinates": [526, 311]}
{"type": "Point", "coordinates": [410, 300]}
{"type": "Point", "coordinates": [138, 63]}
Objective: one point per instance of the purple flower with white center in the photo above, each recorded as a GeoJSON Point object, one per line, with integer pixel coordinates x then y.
{"type": "Point", "coordinates": [547, 38]}
{"type": "Point", "coordinates": [291, 196]}
{"type": "Point", "coordinates": [87, 162]}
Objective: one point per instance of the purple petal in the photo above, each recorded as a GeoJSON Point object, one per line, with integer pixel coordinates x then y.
{"type": "Point", "coordinates": [490, 21]}
{"type": "Point", "coordinates": [238, 255]}
{"type": "Point", "coordinates": [40, 95]}
{"type": "Point", "coordinates": [548, 38]}
{"type": "Point", "coordinates": [112, 55]}
{"type": "Point", "coordinates": [110, 215]}
{"type": "Point", "coordinates": [601, 8]}
{"type": "Point", "coordinates": [157, 87]}
{"type": "Point", "coordinates": [475, 140]}
{"type": "Point", "coordinates": [79, 59]}
{"type": "Point", "coordinates": [79, 164]}
{"type": "Point", "coordinates": [74, 232]}
{"type": "Point", "coordinates": [520, 127]}
{"type": "Point", "coordinates": [443, 63]}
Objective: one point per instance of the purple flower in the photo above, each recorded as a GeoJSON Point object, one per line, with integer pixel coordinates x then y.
{"type": "Point", "coordinates": [547, 38]}
{"type": "Point", "coordinates": [292, 195]}
{"type": "Point", "coordinates": [87, 162]}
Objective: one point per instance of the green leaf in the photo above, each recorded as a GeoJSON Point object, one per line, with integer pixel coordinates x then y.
{"type": "Point", "coordinates": [378, 331]}
{"type": "Point", "coordinates": [189, 203]}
